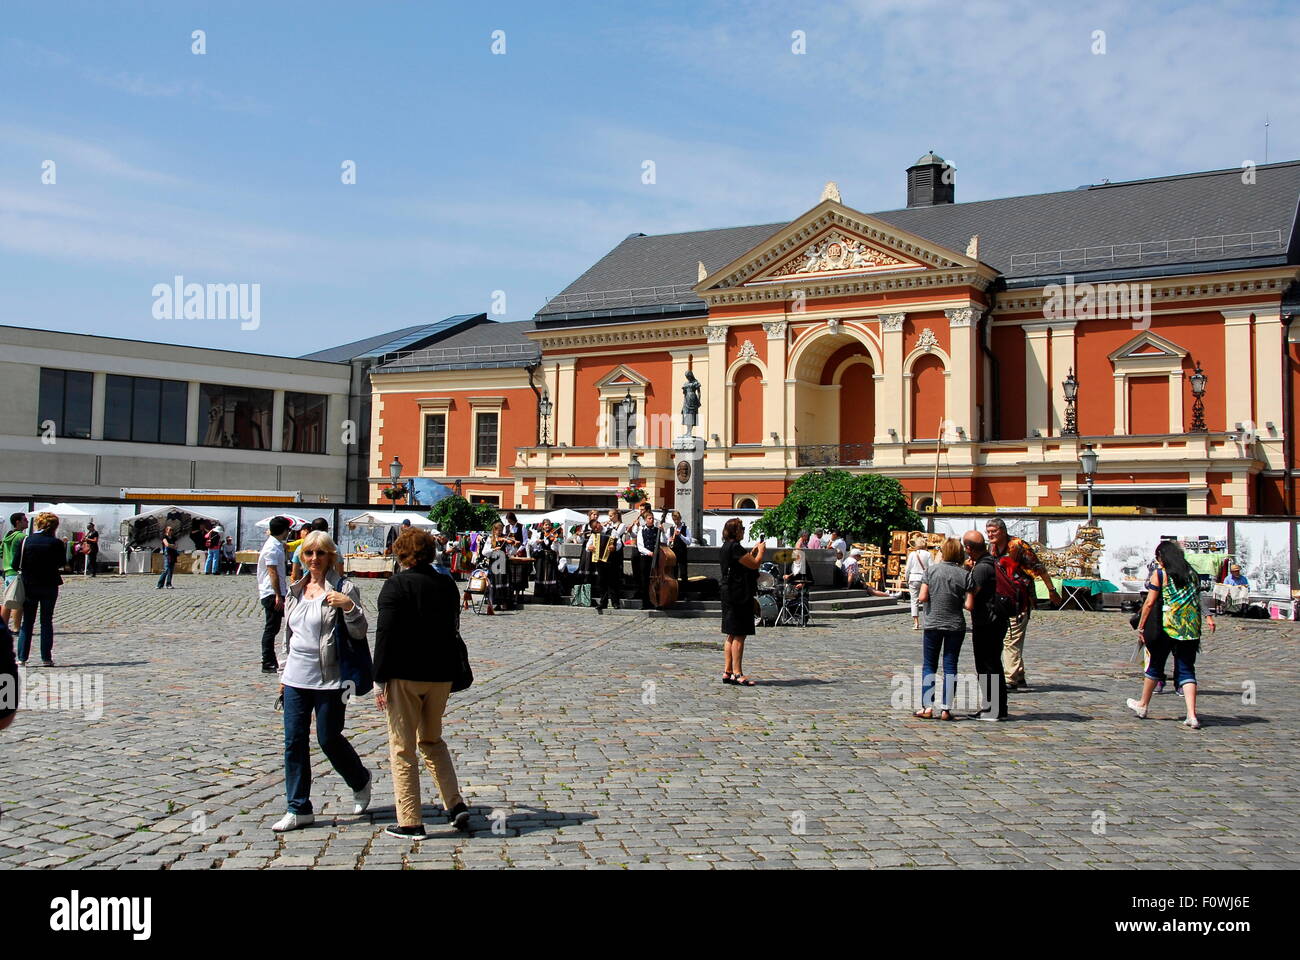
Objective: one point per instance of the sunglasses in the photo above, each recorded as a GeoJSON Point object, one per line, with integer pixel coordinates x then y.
{"type": "Point", "coordinates": [315, 553]}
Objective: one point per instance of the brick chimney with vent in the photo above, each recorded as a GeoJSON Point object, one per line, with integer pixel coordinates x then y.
{"type": "Point", "coordinates": [930, 181]}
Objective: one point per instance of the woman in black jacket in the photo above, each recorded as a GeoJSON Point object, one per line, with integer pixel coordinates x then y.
{"type": "Point", "coordinates": [40, 560]}
{"type": "Point", "coordinates": [417, 656]}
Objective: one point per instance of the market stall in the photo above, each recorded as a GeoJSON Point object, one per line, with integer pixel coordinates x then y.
{"type": "Point", "coordinates": [141, 538]}
{"type": "Point", "coordinates": [365, 537]}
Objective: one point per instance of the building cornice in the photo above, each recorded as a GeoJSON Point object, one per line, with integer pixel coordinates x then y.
{"type": "Point", "coordinates": [1270, 283]}
{"type": "Point", "coordinates": [631, 333]}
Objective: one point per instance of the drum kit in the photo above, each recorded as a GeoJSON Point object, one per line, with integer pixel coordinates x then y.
{"type": "Point", "coordinates": [777, 600]}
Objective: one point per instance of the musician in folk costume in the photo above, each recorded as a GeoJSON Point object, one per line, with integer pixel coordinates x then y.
{"type": "Point", "coordinates": [495, 556]}
{"type": "Point", "coordinates": [603, 559]}
{"type": "Point", "coordinates": [647, 542]}
{"type": "Point", "coordinates": [546, 561]}
{"type": "Point", "coordinates": [615, 526]}
{"type": "Point", "coordinates": [678, 537]}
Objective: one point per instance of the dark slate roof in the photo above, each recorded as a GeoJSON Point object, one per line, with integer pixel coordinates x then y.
{"type": "Point", "coordinates": [486, 345]}
{"type": "Point", "coordinates": [1177, 224]}
{"type": "Point", "coordinates": [407, 338]}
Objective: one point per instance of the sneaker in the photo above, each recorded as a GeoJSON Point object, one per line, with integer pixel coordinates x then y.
{"type": "Point", "coordinates": [1193, 723]}
{"type": "Point", "coordinates": [406, 833]}
{"type": "Point", "coordinates": [1136, 707]}
{"type": "Point", "coordinates": [47, 663]}
{"type": "Point", "coordinates": [293, 821]}
{"type": "Point", "coordinates": [458, 817]}
{"type": "Point", "coordinates": [22, 663]}
{"type": "Point", "coordinates": [361, 798]}
{"type": "Point", "coordinates": [990, 716]}
{"type": "Point", "coordinates": [270, 669]}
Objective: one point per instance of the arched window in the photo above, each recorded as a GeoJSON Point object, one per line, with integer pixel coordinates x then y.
{"type": "Point", "coordinates": [746, 503]}
{"type": "Point", "coordinates": [747, 412]}
{"type": "Point", "coordinates": [929, 397]}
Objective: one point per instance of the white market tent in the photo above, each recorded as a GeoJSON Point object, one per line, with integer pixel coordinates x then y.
{"type": "Point", "coordinates": [142, 534]}
{"type": "Point", "coordinates": [383, 518]}
{"type": "Point", "coordinates": [563, 517]}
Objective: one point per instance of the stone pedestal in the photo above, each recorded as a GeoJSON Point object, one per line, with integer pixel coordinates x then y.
{"type": "Point", "coordinates": [688, 483]}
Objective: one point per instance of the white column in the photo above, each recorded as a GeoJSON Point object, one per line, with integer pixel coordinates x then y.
{"type": "Point", "coordinates": [1036, 392]}
{"type": "Point", "coordinates": [1268, 369]}
{"type": "Point", "coordinates": [98, 388]}
{"type": "Point", "coordinates": [891, 403]}
{"type": "Point", "coordinates": [564, 412]}
{"type": "Point", "coordinates": [277, 421]}
{"type": "Point", "coordinates": [774, 388]}
{"type": "Point", "coordinates": [963, 351]}
{"type": "Point", "coordinates": [716, 388]}
{"type": "Point", "coordinates": [192, 424]}
{"type": "Point", "coordinates": [1063, 360]}
{"type": "Point", "coordinates": [1237, 360]}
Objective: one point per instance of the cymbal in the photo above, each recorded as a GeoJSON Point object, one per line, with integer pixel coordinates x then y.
{"type": "Point", "coordinates": [780, 556]}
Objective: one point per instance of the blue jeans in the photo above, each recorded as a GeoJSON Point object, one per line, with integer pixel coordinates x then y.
{"type": "Point", "coordinates": [299, 704]}
{"type": "Point", "coordinates": [1184, 652]}
{"type": "Point", "coordinates": [933, 641]}
{"type": "Point", "coordinates": [44, 598]}
{"type": "Point", "coordinates": [214, 562]}
{"type": "Point", "coordinates": [165, 578]}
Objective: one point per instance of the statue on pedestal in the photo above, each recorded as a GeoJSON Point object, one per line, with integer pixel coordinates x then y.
{"type": "Point", "coordinates": [690, 403]}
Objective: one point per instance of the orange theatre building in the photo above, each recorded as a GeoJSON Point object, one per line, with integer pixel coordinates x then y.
{"type": "Point", "coordinates": [973, 351]}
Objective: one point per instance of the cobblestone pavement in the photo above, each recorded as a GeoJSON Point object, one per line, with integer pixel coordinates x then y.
{"type": "Point", "coordinates": [609, 742]}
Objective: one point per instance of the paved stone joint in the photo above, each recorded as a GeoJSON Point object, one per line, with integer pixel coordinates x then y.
{"type": "Point", "coordinates": [610, 742]}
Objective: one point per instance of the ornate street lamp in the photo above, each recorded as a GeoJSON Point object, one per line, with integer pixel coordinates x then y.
{"type": "Point", "coordinates": [1089, 461]}
{"type": "Point", "coordinates": [394, 474]}
{"type": "Point", "coordinates": [544, 407]}
{"type": "Point", "coordinates": [634, 471]}
{"type": "Point", "coordinates": [1071, 387]}
{"type": "Point", "coordinates": [1199, 380]}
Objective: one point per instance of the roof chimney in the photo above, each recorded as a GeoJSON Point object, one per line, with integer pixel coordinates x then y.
{"type": "Point", "coordinates": [930, 181]}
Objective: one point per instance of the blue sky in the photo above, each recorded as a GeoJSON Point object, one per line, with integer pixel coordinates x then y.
{"type": "Point", "coordinates": [479, 172]}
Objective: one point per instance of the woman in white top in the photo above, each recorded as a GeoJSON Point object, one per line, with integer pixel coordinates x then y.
{"type": "Point", "coordinates": [311, 682]}
{"type": "Point", "coordinates": [918, 562]}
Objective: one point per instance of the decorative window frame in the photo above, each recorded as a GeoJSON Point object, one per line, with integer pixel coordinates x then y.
{"type": "Point", "coordinates": [479, 406]}
{"type": "Point", "coordinates": [436, 406]}
{"type": "Point", "coordinates": [612, 392]}
{"type": "Point", "coordinates": [737, 497]}
{"type": "Point", "coordinates": [1168, 362]}
{"type": "Point", "coordinates": [729, 414]}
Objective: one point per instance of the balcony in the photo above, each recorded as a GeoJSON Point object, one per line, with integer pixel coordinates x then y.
{"type": "Point", "coordinates": [834, 455]}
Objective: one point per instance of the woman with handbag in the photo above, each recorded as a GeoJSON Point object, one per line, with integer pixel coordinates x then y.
{"type": "Point", "coordinates": [737, 587]}
{"type": "Point", "coordinates": [419, 660]}
{"type": "Point", "coordinates": [40, 560]}
{"type": "Point", "coordinates": [1170, 622]}
{"type": "Point", "coordinates": [313, 679]}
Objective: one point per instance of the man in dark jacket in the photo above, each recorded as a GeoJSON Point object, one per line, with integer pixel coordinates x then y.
{"type": "Point", "coordinates": [40, 563]}
{"type": "Point", "coordinates": [988, 627]}
{"type": "Point", "coordinates": [418, 655]}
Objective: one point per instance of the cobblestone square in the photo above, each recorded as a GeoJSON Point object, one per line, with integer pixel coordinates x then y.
{"type": "Point", "coordinates": [591, 741]}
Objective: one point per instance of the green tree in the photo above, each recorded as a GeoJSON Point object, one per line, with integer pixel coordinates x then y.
{"type": "Point", "coordinates": [865, 506]}
{"type": "Point", "coordinates": [457, 515]}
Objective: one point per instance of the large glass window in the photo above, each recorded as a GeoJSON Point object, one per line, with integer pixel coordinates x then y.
{"type": "Point", "coordinates": [304, 422]}
{"type": "Point", "coordinates": [238, 417]}
{"type": "Point", "coordinates": [625, 423]}
{"type": "Point", "coordinates": [485, 446]}
{"type": "Point", "coordinates": [145, 410]}
{"type": "Point", "coordinates": [65, 400]}
{"type": "Point", "coordinates": [435, 441]}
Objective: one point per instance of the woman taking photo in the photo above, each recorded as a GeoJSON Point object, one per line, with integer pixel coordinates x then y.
{"type": "Point", "coordinates": [1170, 622]}
{"type": "Point", "coordinates": [943, 596]}
{"type": "Point", "coordinates": [311, 682]}
{"type": "Point", "coordinates": [417, 656]}
{"type": "Point", "coordinates": [39, 560]}
{"type": "Point", "coordinates": [739, 580]}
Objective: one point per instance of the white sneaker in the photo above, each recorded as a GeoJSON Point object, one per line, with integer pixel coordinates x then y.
{"type": "Point", "coordinates": [1193, 723]}
{"type": "Point", "coordinates": [293, 821]}
{"type": "Point", "coordinates": [1136, 707]}
{"type": "Point", "coordinates": [361, 798]}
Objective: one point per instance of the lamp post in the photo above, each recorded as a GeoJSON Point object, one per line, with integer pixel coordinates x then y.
{"type": "Point", "coordinates": [1199, 380]}
{"type": "Point", "coordinates": [634, 472]}
{"type": "Point", "coordinates": [394, 474]}
{"type": "Point", "coordinates": [544, 407]}
{"type": "Point", "coordinates": [1071, 387]}
{"type": "Point", "coordinates": [1089, 461]}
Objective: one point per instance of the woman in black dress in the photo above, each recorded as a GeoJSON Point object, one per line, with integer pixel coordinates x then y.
{"type": "Point", "coordinates": [739, 581]}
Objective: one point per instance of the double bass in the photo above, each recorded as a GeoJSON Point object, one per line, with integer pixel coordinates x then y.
{"type": "Point", "coordinates": [663, 581]}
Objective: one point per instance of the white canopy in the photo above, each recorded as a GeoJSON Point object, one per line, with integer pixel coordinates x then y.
{"type": "Point", "coordinates": [295, 521]}
{"type": "Point", "coordinates": [144, 531]}
{"type": "Point", "coordinates": [563, 517]}
{"type": "Point", "coordinates": [383, 518]}
{"type": "Point", "coordinates": [63, 510]}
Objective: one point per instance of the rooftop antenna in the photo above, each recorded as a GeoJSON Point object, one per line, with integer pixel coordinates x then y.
{"type": "Point", "coordinates": [1266, 138]}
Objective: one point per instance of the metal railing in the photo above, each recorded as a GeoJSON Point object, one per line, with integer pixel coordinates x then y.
{"type": "Point", "coordinates": [834, 454]}
{"type": "Point", "coordinates": [480, 354]}
{"type": "Point", "coordinates": [605, 299]}
{"type": "Point", "coordinates": [1227, 244]}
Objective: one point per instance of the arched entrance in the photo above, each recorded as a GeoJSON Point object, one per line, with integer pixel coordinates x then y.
{"type": "Point", "coordinates": [835, 401]}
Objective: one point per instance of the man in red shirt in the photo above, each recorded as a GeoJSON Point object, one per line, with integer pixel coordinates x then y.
{"type": "Point", "coordinates": [1019, 559]}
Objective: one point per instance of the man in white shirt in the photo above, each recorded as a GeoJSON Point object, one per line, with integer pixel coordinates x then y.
{"type": "Point", "coordinates": [272, 587]}
{"type": "Point", "coordinates": [840, 544]}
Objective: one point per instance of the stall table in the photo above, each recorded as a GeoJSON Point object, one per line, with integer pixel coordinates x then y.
{"type": "Point", "coordinates": [371, 566]}
{"type": "Point", "coordinates": [1076, 589]}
